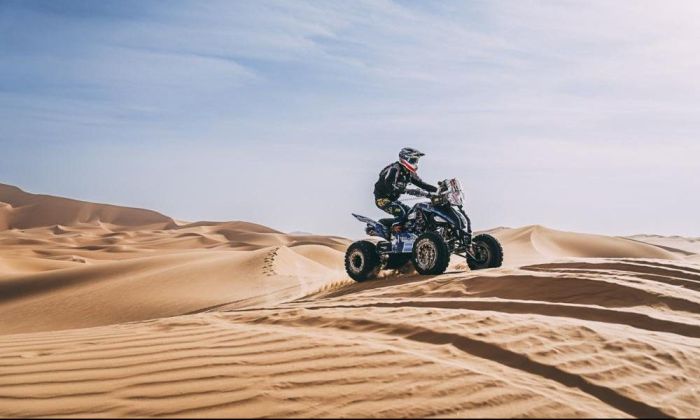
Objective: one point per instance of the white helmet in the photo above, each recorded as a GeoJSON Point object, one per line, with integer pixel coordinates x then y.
{"type": "Point", "coordinates": [408, 157]}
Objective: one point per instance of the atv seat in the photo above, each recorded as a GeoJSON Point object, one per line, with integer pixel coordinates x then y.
{"type": "Point", "coordinates": [387, 222]}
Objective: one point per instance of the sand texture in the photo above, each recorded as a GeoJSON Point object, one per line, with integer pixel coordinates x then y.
{"type": "Point", "coordinates": [110, 311]}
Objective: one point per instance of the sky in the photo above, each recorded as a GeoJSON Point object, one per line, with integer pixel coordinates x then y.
{"type": "Point", "coordinates": [577, 115]}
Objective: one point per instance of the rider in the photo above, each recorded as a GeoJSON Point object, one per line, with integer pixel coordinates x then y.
{"type": "Point", "coordinates": [393, 181]}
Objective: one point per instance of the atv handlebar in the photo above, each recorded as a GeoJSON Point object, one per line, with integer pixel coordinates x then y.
{"type": "Point", "coordinates": [420, 193]}
{"type": "Point", "coordinates": [417, 193]}
{"type": "Point", "coordinates": [438, 198]}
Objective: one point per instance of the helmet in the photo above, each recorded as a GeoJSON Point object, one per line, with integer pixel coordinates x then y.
{"type": "Point", "coordinates": [408, 157]}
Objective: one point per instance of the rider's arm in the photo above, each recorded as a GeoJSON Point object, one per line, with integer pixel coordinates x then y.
{"type": "Point", "coordinates": [415, 180]}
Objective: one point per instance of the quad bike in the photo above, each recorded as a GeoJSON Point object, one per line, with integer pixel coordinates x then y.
{"type": "Point", "coordinates": [431, 232]}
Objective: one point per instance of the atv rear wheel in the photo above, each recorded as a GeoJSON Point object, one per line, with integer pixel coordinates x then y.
{"type": "Point", "coordinates": [362, 261]}
{"type": "Point", "coordinates": [430, 254]}
{"type": "Point", "coordinates": [488, 253]}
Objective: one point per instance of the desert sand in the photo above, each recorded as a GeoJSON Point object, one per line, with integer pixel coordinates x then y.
{"type": "Point", "coordinates": [111, 311]}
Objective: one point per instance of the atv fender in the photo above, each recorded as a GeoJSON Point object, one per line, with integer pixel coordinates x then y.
{"type": "Point", "coordinates": [378, 227]}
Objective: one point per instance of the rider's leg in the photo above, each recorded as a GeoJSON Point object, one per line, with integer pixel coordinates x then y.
{"type": "Point", "coordinates": [385, 205]}
{"type": "Point", "coordinates": [394, 208]}
{"type": "Point", "coordinates": [405, 209]}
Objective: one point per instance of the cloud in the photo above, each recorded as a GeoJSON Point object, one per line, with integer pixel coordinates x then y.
{"type": "Point", "coordinates": [524, 96]}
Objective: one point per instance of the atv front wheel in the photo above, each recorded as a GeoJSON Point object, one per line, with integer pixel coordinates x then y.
{"type": "Point", "coordinates": [430, 254]}
{"type": "Point", "coordinates": [362, 261]}
{"type": "Point", "coordinates": [488, 253]}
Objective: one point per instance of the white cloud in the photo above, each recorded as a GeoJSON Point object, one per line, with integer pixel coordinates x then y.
{"type": "Point", "coordinates": [528, 96]}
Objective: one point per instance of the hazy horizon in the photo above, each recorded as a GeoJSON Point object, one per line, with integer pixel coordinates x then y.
{"type": "Point", "coordinates": [579, 116]}
{"type": "Point", "coordinates": [409, 201]}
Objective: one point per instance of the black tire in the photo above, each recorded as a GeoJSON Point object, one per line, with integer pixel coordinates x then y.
{"type": "Point", "coordinates": [488, 251]}
{"type": "Point", "coordinates": [397, 261]}
{"type": "Point", "coordinates": [430, 254]}
{"type": "Point", "coordinates": [362, 261]}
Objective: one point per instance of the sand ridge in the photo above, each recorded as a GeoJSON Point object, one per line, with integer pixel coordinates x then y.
{"type": "Point", "coordinates": [109, 311]}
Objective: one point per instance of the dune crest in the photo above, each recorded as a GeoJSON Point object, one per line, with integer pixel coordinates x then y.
{"type": "Point", "coordinates": [24, 210]}
{"type": "Point", "coordinates": [535, 242]}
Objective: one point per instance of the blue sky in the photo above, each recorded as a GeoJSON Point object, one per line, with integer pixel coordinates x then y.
{"type": "Point", "coordinates": [578, 115]}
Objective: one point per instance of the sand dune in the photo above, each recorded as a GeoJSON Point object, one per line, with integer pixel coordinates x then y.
{"type": "Point", "coordinates": [109, 311]}
{"type": "Point", "coordinates": [23, 210]}
{"type": "Point", "coordinates": [531, 243]}
{"type": "Point", "coordinates": [688, 246]}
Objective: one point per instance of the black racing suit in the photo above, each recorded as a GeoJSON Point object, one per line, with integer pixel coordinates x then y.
{"type": "Point", "coordinates": [392, 182]}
